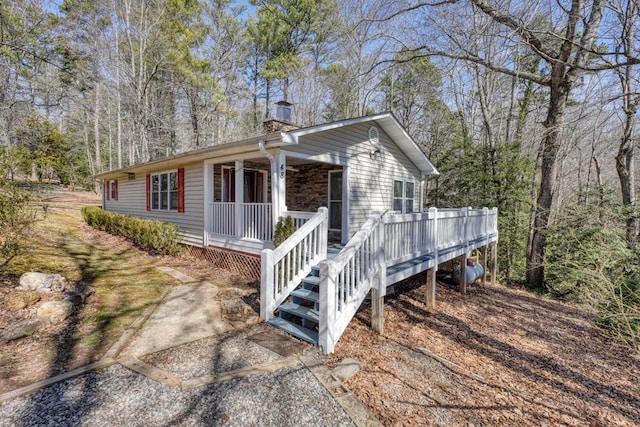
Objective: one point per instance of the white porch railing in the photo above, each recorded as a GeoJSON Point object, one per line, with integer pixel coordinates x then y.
{"type": "Point", "coordinates": [284, 267]}
{"type": "Point", "coordinates": [346, 280]}
{"type": "Point", "coordinates": [223, 218]}
{"type": "Point", "coordinates": [257, 220]}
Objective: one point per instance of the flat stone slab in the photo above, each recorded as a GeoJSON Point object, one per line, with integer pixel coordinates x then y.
{"type": "Point", "coordinates": [279, 343]}
{"type": "Point", "coordinates": [188, 313]}
{"type": "Point", "coordinates": [176, 274]}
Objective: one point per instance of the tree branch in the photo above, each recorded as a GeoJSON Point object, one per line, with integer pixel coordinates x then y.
{"type": "Point", "coordinates": [528, 35]}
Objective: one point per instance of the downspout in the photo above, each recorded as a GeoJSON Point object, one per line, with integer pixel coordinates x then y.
{"type": "Point", "coordinates": [275, 181]}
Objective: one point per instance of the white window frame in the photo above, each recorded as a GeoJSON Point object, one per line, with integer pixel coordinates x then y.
{"type": "Point", "coordinates": [404, 199]}
{"type": "Point", "coordinates": [329, 200]}
{"type": "Point", "coordinates": [156, 200]}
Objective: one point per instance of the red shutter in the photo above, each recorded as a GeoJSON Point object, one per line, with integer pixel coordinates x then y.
{"type": "Point", "coordinates": [148, 192]}
{"type": "Point", "coordinates": [115, 190]}
{"type": "Point", "coordinates": [107, 189]}
{"type": "Point", "coordinates": [180, 189]}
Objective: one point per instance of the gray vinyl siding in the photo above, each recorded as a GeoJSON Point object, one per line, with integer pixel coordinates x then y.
{"type": "Point", "coordinates": [132, 200]}
{"type": "Point", "coordinates": [370, 179]}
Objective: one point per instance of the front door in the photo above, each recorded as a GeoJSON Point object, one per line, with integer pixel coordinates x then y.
{"type": "Point", "coordinates": [254, 185]}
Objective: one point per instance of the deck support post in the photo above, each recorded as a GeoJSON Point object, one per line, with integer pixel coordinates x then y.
{"type": "Point", "coordinates": [377, 311]}
{"type": "Point", "coordinates": [431, 288]}
{"type": "Point", "coordinates": [494, 261]}
{"type": "Point", "coordinates": [483, 262]}
{"type": "Point", "coordinates": [463, 273]}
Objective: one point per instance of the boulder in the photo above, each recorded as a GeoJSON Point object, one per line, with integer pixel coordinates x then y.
{"type": "Point", "coordinates": [16, 301]}
{"type": "Point", "coordinates": [55, 311]}
{"type": "Point", "coordinates": [42, 282]}
{"type": "Point", "coordinates": [346, 369]}
{"type": "Point", "coordinates": [21, 329]}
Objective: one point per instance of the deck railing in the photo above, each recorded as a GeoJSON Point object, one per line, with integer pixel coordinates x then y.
{"type": "Point", "coordinates": [284, 267]}
{"type": "Point", "coordinates": [385, 241]}
{"type": "Point", "coordinates": [223, 218]}
{"type": "Point", "coordinates": [409, 236]}
{"type": "Point", "coordinates": [256, 220]}
{"type": "Point", "coordinates": [346, 280]}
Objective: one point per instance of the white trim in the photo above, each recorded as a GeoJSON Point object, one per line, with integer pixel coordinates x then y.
{"type": "Point", "coordinates": [346, 205]}
{"type": "Point", "coordinates": [404, 194]}
{"type": "Point", "coordinates": [322, 158]}
{"type": "Point", "coordinates": [209, 197]}
{"type": "Point", "coordinates": [232, 157]}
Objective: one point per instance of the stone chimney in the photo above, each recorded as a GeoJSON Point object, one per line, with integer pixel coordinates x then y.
{"type": "Point", "coordinates": [282, 121]}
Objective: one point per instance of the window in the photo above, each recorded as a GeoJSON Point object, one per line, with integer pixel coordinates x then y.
{"type": "Point", "coordinates": [335, 200]}
{"type": "Point", "coordinates": [165, 191]}
{"type": "Point", "coordinates": [111, 190]}
{"type": "Point", "coordinates": [403, 195]}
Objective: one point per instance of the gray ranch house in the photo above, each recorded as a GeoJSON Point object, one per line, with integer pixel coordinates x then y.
{"type": "Point", "coordinates": [355, 190]}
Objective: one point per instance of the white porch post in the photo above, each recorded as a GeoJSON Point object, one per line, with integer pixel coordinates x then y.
{"type": "Point", "coordinates": [208, 199]}
{"type": "Point", "coordinates": [345, 205]}
{"type": "Point", "coordinates": [239, 198]}
{"type": "Point", "coordinates": [282, 184]}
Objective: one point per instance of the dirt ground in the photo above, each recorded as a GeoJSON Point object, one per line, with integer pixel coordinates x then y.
{"type": "Point", "coordinates": [497, 356]}
{"type": "Point", "coordinates": [125, 282]}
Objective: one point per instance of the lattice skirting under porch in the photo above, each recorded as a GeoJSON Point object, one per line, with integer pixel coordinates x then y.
{"type": "Point", "coordinates": [245, 264]}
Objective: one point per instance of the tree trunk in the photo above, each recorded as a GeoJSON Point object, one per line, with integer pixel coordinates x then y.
{"type": "Point", "coordinates": [548, 172]}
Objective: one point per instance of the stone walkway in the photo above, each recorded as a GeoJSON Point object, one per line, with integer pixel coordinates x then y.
{"type": "Point", "coordinates": [183, 344]}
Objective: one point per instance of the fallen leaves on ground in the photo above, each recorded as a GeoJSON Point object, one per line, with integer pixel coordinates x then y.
{"type": "Point", "coordinates": [496, 356]}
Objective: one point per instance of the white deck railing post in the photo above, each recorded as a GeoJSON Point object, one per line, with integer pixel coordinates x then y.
{"type": "Point", "coordinates": [327, 287]}
{"type": "Point", "coordinates": [324, 233]}
{"type": "Point", "coordinates": [239, 196]}
{"type": "Point", "coordinates": [381, 255]}
{"type": "Point", "coordinates": [433, 212]}
{"type": "Point", "coordinates": [266, 285]}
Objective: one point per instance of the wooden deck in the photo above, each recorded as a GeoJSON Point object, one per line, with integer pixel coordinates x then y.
{"type": "Point", "coordinates": [386, 250]}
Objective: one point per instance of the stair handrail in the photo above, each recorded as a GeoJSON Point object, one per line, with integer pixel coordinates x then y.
{"type": "Point", "coordinates": [283, 267]}
{"type": "Point", "coordinates": [346, 280]}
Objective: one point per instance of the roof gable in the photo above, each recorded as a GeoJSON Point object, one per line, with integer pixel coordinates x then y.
{"type": "Point", "coordinates": [391, 127]}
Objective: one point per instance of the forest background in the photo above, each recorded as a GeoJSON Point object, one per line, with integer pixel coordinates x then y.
{"type": "Point", "coordinates": [530, 107]}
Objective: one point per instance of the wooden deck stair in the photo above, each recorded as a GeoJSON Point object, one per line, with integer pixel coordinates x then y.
{"type": "Point", "coordinates": [300, 314]}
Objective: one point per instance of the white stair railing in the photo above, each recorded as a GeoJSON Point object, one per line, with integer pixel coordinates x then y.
{"type": "Point", "coordinates": [284, 267]}
{"type": "Point", "coordinates": [346, 280]}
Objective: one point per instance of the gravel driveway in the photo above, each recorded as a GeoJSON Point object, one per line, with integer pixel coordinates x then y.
{"type": "Point", "coordinates": [118, 396]}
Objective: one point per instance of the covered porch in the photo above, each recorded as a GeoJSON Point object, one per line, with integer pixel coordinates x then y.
{"type": "Point", "coordinates": [243, 217]}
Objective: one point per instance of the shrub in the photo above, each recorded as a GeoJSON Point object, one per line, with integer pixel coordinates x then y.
{"type": "Point", "coordinates": [157, 237]}
{"type": "Point", "coordinates": [285, 227]}
{"type": "Point", "coordinates": [17, 217]}
{"type": "Point", "coordinates": [589, 260]}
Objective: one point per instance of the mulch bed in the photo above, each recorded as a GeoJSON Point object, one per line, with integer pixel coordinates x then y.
{"type": "Point", "coordinates": [497, 356]}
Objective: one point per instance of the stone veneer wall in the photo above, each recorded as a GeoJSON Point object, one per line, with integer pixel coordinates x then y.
{"type": "Point", "coordinates": [308, 189]}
